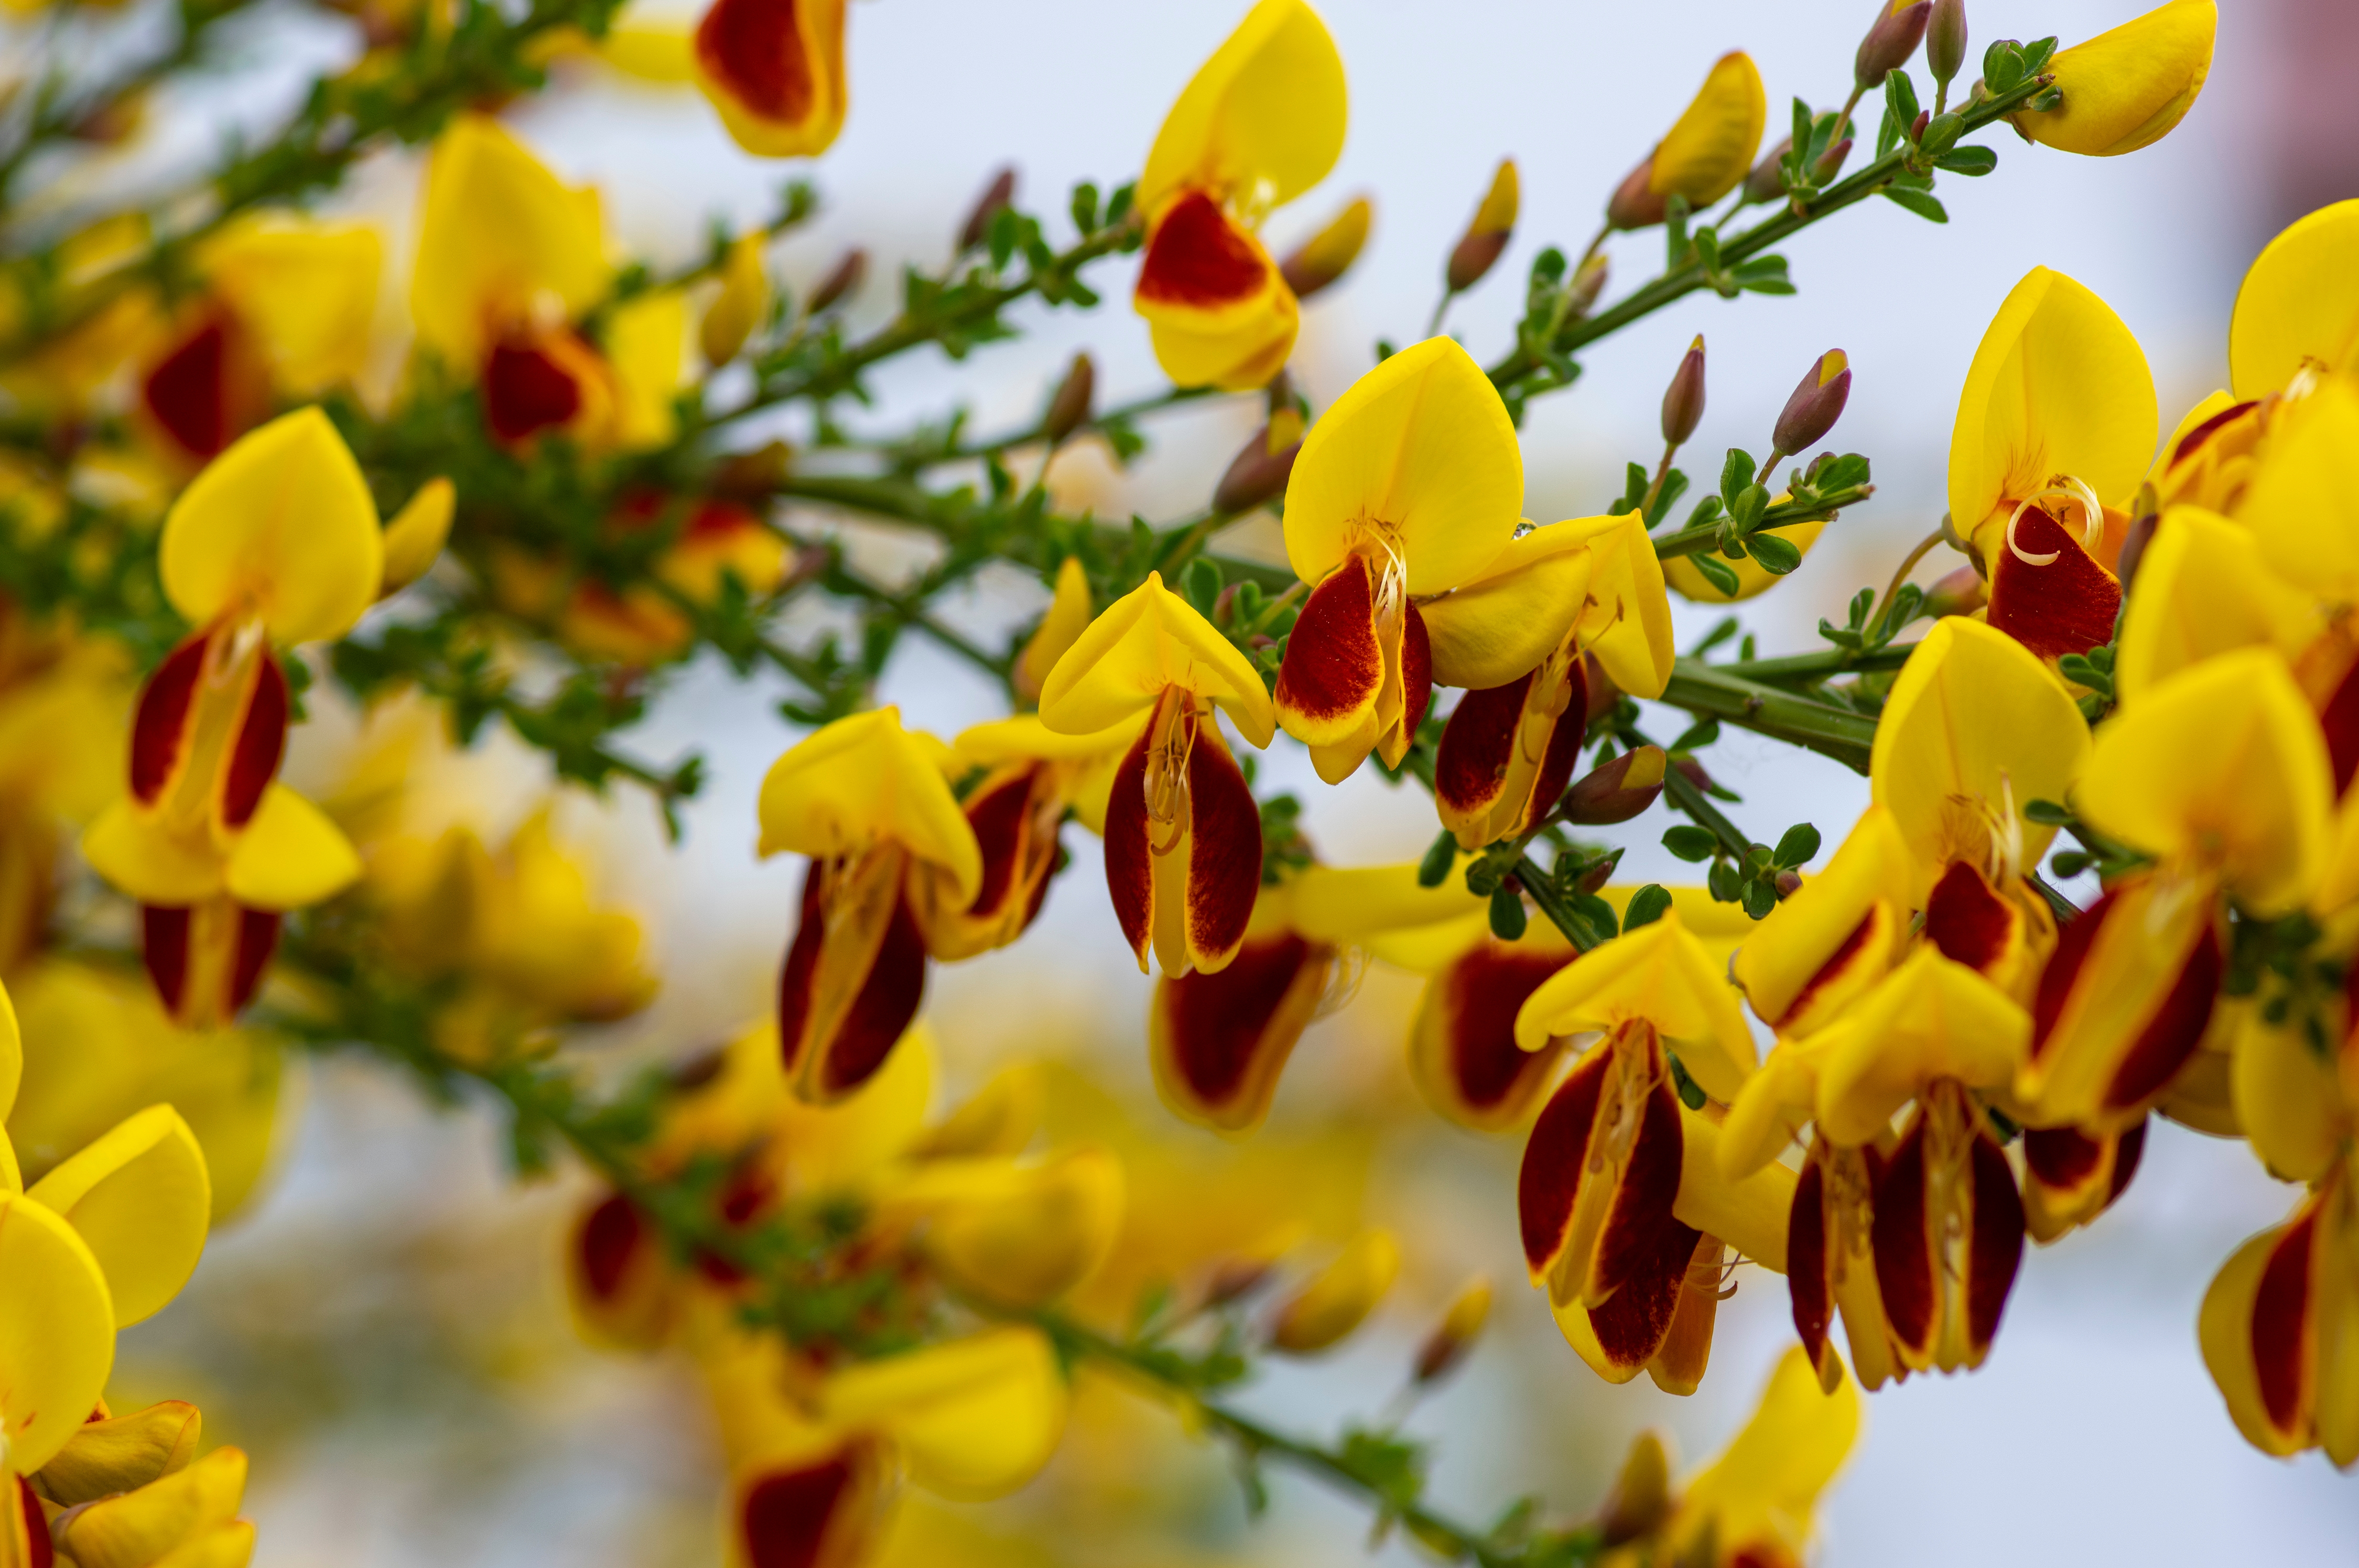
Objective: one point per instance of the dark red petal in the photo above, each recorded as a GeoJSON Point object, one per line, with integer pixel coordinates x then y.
{"type": "Point", "coordinates": [260, 742]}
{"type": "Point", "coordinates": [1854, 947]}
{"type": "Point", "coordinates": [1216, 1024]}
{"type": "Point", "coordinates": [42, 1552]}
{"type": "Point", "coordinates": [2128, 1151]}
{"type": "Point", "coordinates": [2281, 1326]}
{"type": "Point", "coordinates": [1904, 1245]}
{"type": "Point", "coordinates": [1967, 918]}
{"type": "Point", "coordinates": [162, 721]}
{"type": "Point", "coordinates": [1223, 848]}
{"type": "Point", "coordinates": [2174, 1030]}
{"type": "Point", "coordinates": [2074, 943]}
{"type": "Point", "coordinates": [1632, 1323]}
{"type": "Point", "coordinates": [164, 947]}
{"type": "Point", "coordinates": [1642, 1206]}
{"type": "Point", "coordinates": [2341, 722]}
{"type": "Point", "coordinates": [2065, 607]}
{"type": "Point", "coordinates": [526, 391]}
{"type": "Point", "coordinates": [1000, 817]}
{"type": "Point", "coordinates": [785, 1517]}
{"type": "Point", "coordinates": [753, 49]}
{"type": "Point", "coordinates": [1483, 991]}
{"type": "Point", "coordinates": [800, 971]}
{"type": "Point", "coordinates": [1417, 670]}
{"type": "Point", "coordinates": [2191, 442]}
{"type": "Point", "coordinates": [1197, 257]}
{"type": "Point", "coordinates": [1551, 1174]}
{"type": "Point", "coordinates": [880, 1013]}
{"type": "Point", "coordinates": [1129, 854]}
{"type": "Point", "coordinates": [1995, 1249]}
{"type": "Point", "coordinates": [1806, 1263]}
{"type": "Point", "coordinates": [2062, 1157]}
{"type": "Point", "coordinates": [609, 1239]}
{"type": "Point", "coordinates": [1564, 753]}
{"type": "Point", "coordinates": [188, 393]}
{"type": "Point", "coordinates": [1333, 666]}
{"type": "Point", "coordinates": [257, 938]}
{"type": "Point", "coordinates": [1477, 745]}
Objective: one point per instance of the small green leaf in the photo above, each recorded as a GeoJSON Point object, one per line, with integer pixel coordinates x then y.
{"type": "Point", "coordinates": [1917, 201]}
{"type": "Point", "coordinates": [1203, 579]}
{"type": "Point", "coordinates": [1760, 897]}
{"type": "Point", "coordinates": [1085, 208]}
{"type": "Point", "coordinates": [1508, 916]}
{"type": "Point", "coordinates": [1716, 572]}
{"type": "Point", "coordinates": [1735, 474]}
{"type": "Point", "coordinates": [1434, 870]}
{"type": "Point", "coordinates": [1725, 884]}
{"type": "Point", "coordinates": [1647, 905]}
{"type": "Point", "coordinates": [1696, 737]}
{"type": "Point", "coordinates": [1776, 554]}
{"type": "Point", "coordinates": [2046, 813]}
{"type": "Point", "coordinates": [1974, 162]}
{"type": "Point", "coordinates": [1690, 843]}
{"type": "Point", "coordinates": [1800, 843]}
{"type": "Point", "coordinates": [1690, 1093]}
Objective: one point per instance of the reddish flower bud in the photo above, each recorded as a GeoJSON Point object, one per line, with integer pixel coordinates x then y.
{"type": "Point", "coordinates": [1454, 1336]}
{"type": "Point", "coordinates": [996, 195]}
{"type": "Point", "coordinates": [1683, 399]}
{"type": "Point", "coordinates": [1635, 203]}
{"type": "Point", "coordinates": [1478, 249]}
{"type": "Point", "coordinates": [1917, 127]}
{"type": "Point", "coordinates": [1618, 790]}
{"type": "Point", "coordinates": [1816, 404]}
{"type": "Point", "coordinates": [1328, 254]}
{"type": "Point", "coordinates": [1076, 394]}
{"type": "Point", "coordinates": [842, 283]}
{"type": "Point", "coordinates": [1961, 593]}
{"type": "Point", "coordinates": [1588, 283]}
{"type": "Point", "coordinates": [1256, 474]}
{"type": "Point", "coordinates": [1831, 161]}
{"type": "Point", "coordinates": [1694, 772]}
{"type": "Point", "coordinates": [1768, 181]}
{"type": "Point", "coordinates": [1890, 42]}
{"type": "Point", "coordinates": [1641, 1498]}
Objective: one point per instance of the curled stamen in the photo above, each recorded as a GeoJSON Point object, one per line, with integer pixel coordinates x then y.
{"type": "Point", "coordinates": [2093, 517]}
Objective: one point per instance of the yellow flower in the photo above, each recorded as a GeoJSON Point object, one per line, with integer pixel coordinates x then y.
{"type": "Point", "coordinates": [774, 69]}
{"type": "Point", "coordinates": [1338, 1298]}
{"type": "Point", "coordinates": [1182, 834]}
{"type": "Point", "coordinates": [1751, 1504]}
{"type": "Point", "coordinates": [277, 542]}
{"type": "Point", "coordinates": [1259, 124]}
{"type": "Point", "coordinates": [865, 800]}
{"type": "Point", "coordinates": [2299, 305]}
{"type": "Point", "coordinates": [2127, 89]}
{"type": "Point", "coordinates": [1709, 150]}
{"type": "Point", "coordinates": [64, 703]}
{"type": "Point", "coordinates": [1410, 485]}
{"type": "Point", "coordinates": [2055, 426]}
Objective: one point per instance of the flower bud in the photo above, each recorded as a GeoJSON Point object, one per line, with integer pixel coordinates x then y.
{"type": "Point", "coordinates": [1328, 254]}
{"type": "Point", "coordinates": [417, 534]}
{"type": "Point", "coordinates": [1917, 127]}
{"type": "Point", "coordinates": [1961, 593]}
{"type": "Point", "coordinates": [843, 282]}
{"type": "Point", "coordinates": [1603, 693]}
{"type": "Point", "coordinates": [1768, 181]}
{"type": "Point", "coordinates": [1076, 395]}
{"type": "Point", "coordinates": [1588, 283]}
{"type": "Point", "coordinates": [1031, 1238]}
{"type": "Point", "coordinates": [1340, 1297]}
{"type": "Point", "coordinates": [1258, 473]}
{"type": "Point", "coordinates": [1945, 40]}
{"type": "Point", "coordinates": [1478, 249]}
{"type": "Point", "coordinates": [1641, 1498]}
{"type": "Point", "coordinates": [1235, 1278]}
{"type": "Point", "coordinates": [996, 195]}
{"type": "Point", "coordinates": [1454, 1336]}
{"type": "Point", "coordinates": [1594, 879]}
{"type": "Point", "coordinates": [1694, 772]}
{"type": "Point", "coordinates": [1635, 204]}
{"type": "Point", "coordinates": [754, 476]}
{"type": "Point", "coordinates": [1831, 162]}
{"type": "Point", "coordinates": [1816, 404]}
{"type": "Point", "coordinates": [737, 309]}
{"type": "Point", "coordinates": [1616, 791]}
{"type": "Point", "coordinates": [1897, 32]}
{"type": "Point", "coordinates": [1683, 399]}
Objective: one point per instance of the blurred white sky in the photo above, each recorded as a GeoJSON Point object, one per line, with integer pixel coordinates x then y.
{"type": "Point", "coordinates": [2093, 1436]}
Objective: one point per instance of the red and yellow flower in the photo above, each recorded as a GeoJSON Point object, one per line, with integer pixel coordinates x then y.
{"type": "Point", "coordinates": [774, 69]}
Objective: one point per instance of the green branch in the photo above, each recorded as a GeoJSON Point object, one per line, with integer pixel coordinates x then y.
{"type": "Point", "coordinates": [1710, 690]}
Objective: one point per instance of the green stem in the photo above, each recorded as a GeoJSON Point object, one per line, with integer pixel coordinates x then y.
{"type": "Point", "coordinates": [1831, 732]}
{"type": "Point", "coordinates": [1818, 509]}
{"type": "Point", "coordinates": [1810, 668]}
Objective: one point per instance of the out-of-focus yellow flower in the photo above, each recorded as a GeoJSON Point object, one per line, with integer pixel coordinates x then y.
{"type": "Point", "coordinates": [774, 69]}
{"type": "Point", "coordinates": [2055, 426]}
{"type": "Point", "coordinates": [1751, 1506]}
{"type": "Point", "coordinates": [64, 701]}
{"type": "Point", "coordinates": [1412, 484]}
{"type": "Point", "coordinates": [865, 800]}
{"type": "Point", "coordinates": [1069, 615]}
{"type": "Point", "coordinates": [1709, 150]}
{"type": "Point", "coordinates": [275, 543]}
{"type": "Point", "coordinates": [1259, 123]}
{"type": "Point", "coordinates": [1183, 847]}
{"type": "Point", "coordinates": [188, 1516]}
{"type": "Point", "coordinates": [2128, 88]}
{"type": "Point", "coordinates": [738, 309]}
{"type": "Point", "coordinates": [1339, 1298]}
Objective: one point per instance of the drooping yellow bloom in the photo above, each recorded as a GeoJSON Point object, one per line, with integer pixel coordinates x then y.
{"type": "Point", "coordinates": [2128, 88]}
{"type": "Point", "coordinates": [1751, 1504]}
{"type": "Point", "coordinates": [1183, 846]}
{"type": "Point", "coordinates": [865, 800]}
{"type": "Point", "coordinates": [275, 543]}
{"type": "Point", "coordinates": [2055, 426]}
{"type": "Point", "coordinates": [1339, 1298]}
{"type": "Point", "coordinates": [1410, 485]}
{"type": "Point", "coordinates": [2298, 304]}
{"type": "Point", "coordinates": [774, 69]}
{"type": "Point", "coordinates": [1708, 150]}
{"type": "Point", "coordinates": [1259, 124]}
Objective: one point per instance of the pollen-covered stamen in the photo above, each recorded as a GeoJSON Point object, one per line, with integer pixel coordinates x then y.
{"type": "Point", "coordinates": [1170, 742]}
{"type": "Point", "coordinates": [219, 757]}
{"type": "Point", "coordinates": [1631, 1079]}
{"type": "Point", "coordinates": [2069, 488]}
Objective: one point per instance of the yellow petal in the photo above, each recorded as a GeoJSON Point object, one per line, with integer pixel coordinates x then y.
{"type": "Point", "coordinates": [1764, 1484]}
{"type": "Point", "coordinates": [2299, 302]}
{"type": "Point", "coordinates": [1798, 965]}
{"type": "Point", "coordinates": [2125, 88]}
{"type": "Point", "coordinates": [1626, 621]}
{"type": "Point", "coordinates": [415, 538]}
{"type": "Point", "coordinates": [12, 1056]}
{"type": "Point", "coordinates": [1499, 626]}
{"type": "Point", "coordinates": [1261, 120]}
{"type": "Point", "coordinates": [149, 864]}
{"type": "Point", "coordinates": [2223, 1329]}
{"type": "Point", "coordinates": [862, 780]}
{"type": "Point", "coordinates": [1142, 643]}
{"type": "Point", "coordinates": [1419, 453]}
{"type": "Point", "coordinates": [1024, 738]}
{"type": "Point", "coordinates": [497, 234]}
{"type": "Point", "coordinates": [123, 1452]}
{"type": "Point", "coordinates": [290, 855]}
{"type": "Point", "coordinates": [2299, 503]}
{"type": "Point", "coordinates": [1749, 1211]}
{"type": "Point", "coordinates": [774, 69]}
{"type": "Point", "coordinates": [1339, 1297]}
{"type": "Point", "coordinates": [306, 291]}
{"type": "Point", "coordinates": [1337, 904]}
{"type": "Point", "coordinates": [647, 343]}
{"type": "Point", "coordinates": [1070, 611]}
{"type": "Point", "coordinates": [1711, 144]}
{"type": "Point", "coordinates": [1771, 1110]}
{"type": "Point", "coordinates": [1032, 1244]}
{"type": "Point", "coordinates": [1660, 973]}
{"type": "Point", "coordinates": [2221, 767]}
{"type": "Point", "coordinates": [744, 299]}
{"type": "Point", "coordinates": [976, 1418]}
{"type": "Point", "coordinates": [2058, 386]}
{"type": "Point", "coordinates": [1975, 730]}
{"type": "Point", "coordinates": [2203, 589]}
{"type": "Point", "coordinates": [1931, 1019]}
{"type": "Point", "coordinates": [649, 52]}
{"type": "Point", "coordinates": [57, 1332]}
{"type": "Point", "coordinates": [838, 1148]}
{"type": "Point", "coordinates": [141, 1198]}
{"type": "Point", "coordinates": [1751, 576]}
{"type": "Point", "coordinates": [2288, 1100]}
{"type": "Point", "coordinates": [162, 1519]}
{"type": "Point", "coordinates": [280, 524]}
